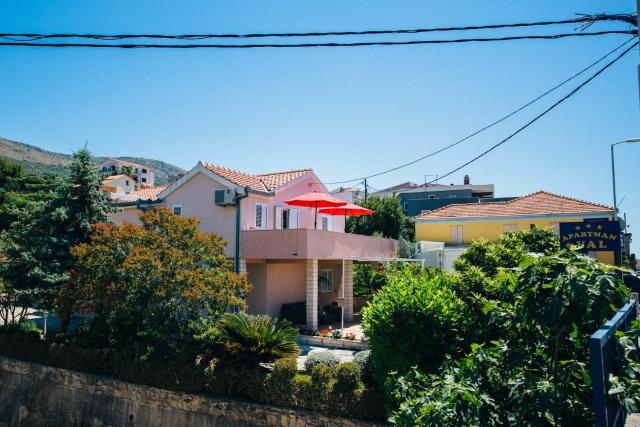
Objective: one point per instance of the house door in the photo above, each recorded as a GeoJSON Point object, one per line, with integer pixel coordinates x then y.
{"type": "Point", "coordinates": [457, 237]}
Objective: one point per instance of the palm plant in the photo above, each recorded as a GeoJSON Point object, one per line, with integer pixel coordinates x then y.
{"type": "Point", "coordinates": [257, 339]}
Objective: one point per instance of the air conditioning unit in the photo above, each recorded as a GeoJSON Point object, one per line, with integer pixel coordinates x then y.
{"type": "Point", "coordinates": [225, 197]}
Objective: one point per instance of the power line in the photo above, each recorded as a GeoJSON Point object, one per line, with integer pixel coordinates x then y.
{"type": "Point", "coordinates": [308, 45]}
{"type": "Point", "coordinates": [500, 120]}
{"type": "Point", "coordinates": [583, 19]}
{"type": "Point", "coordinates": [539, 116]}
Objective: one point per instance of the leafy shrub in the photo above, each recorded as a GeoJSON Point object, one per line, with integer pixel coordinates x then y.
{"type": "Point", "coordinates": [625, 378]}
{"type": "Point", "coordinates": [325, 358]}
{"type": "Point", "coordinates": [151, 283]}
{"type": "Point", "coordinates": [281, 379]}
{"type": "Point", "coordinates": [413, 320]}
{"type": "Point", "coordinates": [537, 372]}
{"type": "Point", "coordinates": [322, 380]}
{"type": "Point", "coordinates": [347, 378]}
{"type": "Point", "coordinates": [257, 339]}
{"type": "Point", "coordinates": [363, 360]}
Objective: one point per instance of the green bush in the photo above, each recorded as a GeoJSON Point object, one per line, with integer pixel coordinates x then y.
{"type": "Point", "coordinates": [280, 381]}
{"type": "Point", "coordinates": [363, 360]}
{"type": "Point", "coordinates": [326, 358]}
{"type": "Point", "coordinates": [348, 379]}
{"type": "Point", "coordinates": [625, 377]}
{"type": "Point", "coordinates": [537, 371]}
{"type": "Point", "coordinates": [415, 320]}
{"type": "Point", "coordinates": [252, 339]}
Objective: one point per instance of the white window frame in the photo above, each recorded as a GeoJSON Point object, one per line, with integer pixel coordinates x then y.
{"type": "Point", "coordinates": [264, 223]}
{"type": "Point", "coordinates": [294, 218]}
{"type": "Point", "coordinates": [509, 228]}
{"type": "Point", "coordinates": [457, 234]}
{"type": "Point", "coordinates": [328, 287]}
{"type": "Point", "coordinates": [292, 214]}
{"type": "Point", "coordinates": [173, 209]}
{"type": "Point", "coordinates": [329, 223]}
{"type": "Point", "coordinates": [432, 196]}
{"type": "Point", "coordinates": [405, 206]}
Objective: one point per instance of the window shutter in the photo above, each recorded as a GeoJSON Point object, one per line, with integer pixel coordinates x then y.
{"type": "Point", "coordinates": [293, 218]}
{"type": "Point", "coordinates": [330, 224]}
{"type": "Point", "coordinates": [258, 215]}
{"type": "Point", "coordinates": [278, 218]}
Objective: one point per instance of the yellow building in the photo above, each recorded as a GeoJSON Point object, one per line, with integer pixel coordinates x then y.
{"type": "Point", "coordinates": [461, 224]}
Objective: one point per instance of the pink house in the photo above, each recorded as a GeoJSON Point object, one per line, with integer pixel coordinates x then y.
{"type": "Point", "coordinates": [285, 258]}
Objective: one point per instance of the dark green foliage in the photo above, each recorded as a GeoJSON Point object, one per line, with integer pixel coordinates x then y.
{"type": "Point", "coordinates": [325, 358]}
{"type": "Point", "coordinates": [415, 320]}
{"type": "Point", "coordinates": [367, 279]}
{"type": "Point", "coordinates": [348, 379]}
{"type": "Point", "coordinates": [536, 371]}
{"type": "Point", "coordinates": [625, 377]}
{"type": "Point", "coordinates": [508, 251]}
{"type": "Point", "coordinates": [388, 220]}
{"type": "Point", "coordinates": [335, 392]}
{"type": "Point", "coordinates": [281, 380]}
{"type": "Point", "coordinates": [35, 248]}
{"type": "Point", "coordinates": [363, 360]}
{"type": "Point", "coordinates": [257, 339]}
{"type": "Point", "coordinates": [156, 288]}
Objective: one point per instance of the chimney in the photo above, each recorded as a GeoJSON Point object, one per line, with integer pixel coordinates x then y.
{"type": "Point", "coordinates": [466, 180]}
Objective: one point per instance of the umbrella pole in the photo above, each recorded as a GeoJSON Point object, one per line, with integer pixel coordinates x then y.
{"type": "Point", "coordinates": [315, 220]}
{"type": "Point", "coordinates": [345, 220]}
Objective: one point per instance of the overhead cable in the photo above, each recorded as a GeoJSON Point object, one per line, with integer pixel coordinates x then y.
{"type": "Point", "coordinates": [539, 116]}
{"type": "Point", "coordinates": [582, 19]}
{"type": "Point", "coordinates": [490, 125]}
{"type": "Point", "coordinates": [310, 45]}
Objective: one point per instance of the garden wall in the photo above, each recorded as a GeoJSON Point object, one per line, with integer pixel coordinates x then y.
{"type": "Point", "coordinates": [37, 395]}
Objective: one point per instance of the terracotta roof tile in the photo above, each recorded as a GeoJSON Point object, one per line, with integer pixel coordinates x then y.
{"type": "Point", "coordinates": [148, 193]}
{"type": "Point", "coordinates": [539, 203]}
{"type": "Point", "coordinates": [260, 182]}
{"type": "Point", "coordinates": [112, 177]}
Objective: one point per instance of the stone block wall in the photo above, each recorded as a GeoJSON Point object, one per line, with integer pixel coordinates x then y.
{"type": "Point", "coordinates": [37, 395]}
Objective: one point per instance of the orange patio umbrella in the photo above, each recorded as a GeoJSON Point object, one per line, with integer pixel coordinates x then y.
{"type": "Point", "coordinates": [347, 210]}
{"type": "Point", "coordinates": [316, 200]}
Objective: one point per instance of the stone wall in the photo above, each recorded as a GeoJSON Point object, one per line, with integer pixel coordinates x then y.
{"type": "Point", "coordinates": [37, 395]}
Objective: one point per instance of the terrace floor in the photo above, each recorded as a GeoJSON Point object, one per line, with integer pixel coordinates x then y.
{"type": "Point", "coordinates": [353, 327]}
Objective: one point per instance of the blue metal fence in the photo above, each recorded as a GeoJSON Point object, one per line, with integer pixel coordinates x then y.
{"type": "Point", "coordinates": [602, 346]}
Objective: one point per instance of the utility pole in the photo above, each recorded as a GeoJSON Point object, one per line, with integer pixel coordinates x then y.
{"type": "Point", "coordinates": [366, 193]}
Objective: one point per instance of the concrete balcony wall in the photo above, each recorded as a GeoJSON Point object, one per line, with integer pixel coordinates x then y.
{"type": "Point", "coordinates": [313, 244]}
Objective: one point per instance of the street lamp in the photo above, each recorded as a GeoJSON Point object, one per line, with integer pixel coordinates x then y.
{"type": "Point", "coordinates": [613, 172]}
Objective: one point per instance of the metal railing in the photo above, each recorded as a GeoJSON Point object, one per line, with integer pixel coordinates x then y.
{"type": "Point", "coordinates": [602, 346]}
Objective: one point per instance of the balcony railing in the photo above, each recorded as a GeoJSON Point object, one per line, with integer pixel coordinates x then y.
{"type": "Point", "coordinates": [314, 244]}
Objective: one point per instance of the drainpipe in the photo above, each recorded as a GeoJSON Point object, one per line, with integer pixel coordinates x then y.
{"type": "Point", "coordinates": [238, 198]}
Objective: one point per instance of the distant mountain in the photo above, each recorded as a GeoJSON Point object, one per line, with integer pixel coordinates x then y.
{"type": "Point", "coordinates": [41, 162]}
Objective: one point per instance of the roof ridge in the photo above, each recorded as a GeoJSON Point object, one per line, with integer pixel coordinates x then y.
{"type": "Point", "coordinates": [283, 172]}
{"type": "Point", "coordinates": [573, 199]}
{"type": "Point", "coordinates": [205, 164]}
{"type": "Point", "coordinates": [454, 209]}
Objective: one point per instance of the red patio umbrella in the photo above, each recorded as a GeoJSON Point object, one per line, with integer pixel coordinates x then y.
{"type": "Point", "coordinates": [316, 200]}
{"type": "Point", "coordinates": [348, 210]}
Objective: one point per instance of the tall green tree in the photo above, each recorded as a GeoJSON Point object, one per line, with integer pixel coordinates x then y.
{"type": "Point", "coordinates": [35, 255]}
{"type": "Point", "coordinates": [388, 220]}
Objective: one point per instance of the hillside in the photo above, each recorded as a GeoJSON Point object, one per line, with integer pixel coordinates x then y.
{"type": "Point", "coordinates": [41, 162]}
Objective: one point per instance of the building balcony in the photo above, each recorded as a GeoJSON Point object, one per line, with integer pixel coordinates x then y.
{"type": "Point", "coordinates": [314, 244]}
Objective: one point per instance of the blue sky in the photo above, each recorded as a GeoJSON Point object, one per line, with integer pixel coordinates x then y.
{"type": "Point", "coordinates": [346, 112]}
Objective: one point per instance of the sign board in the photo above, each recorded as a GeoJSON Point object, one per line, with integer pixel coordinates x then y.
{"type": "Point", "coordinates": [341, 302]}
{"type": "Point", "coordinates": [591, 235]}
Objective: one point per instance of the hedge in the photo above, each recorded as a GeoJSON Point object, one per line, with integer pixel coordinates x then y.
{"type": "Point", "coordinates": [332, 390]}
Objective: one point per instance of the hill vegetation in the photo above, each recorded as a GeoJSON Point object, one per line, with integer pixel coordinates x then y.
{"type": "Point", "coordinates": [37, 161]}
